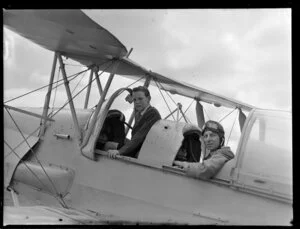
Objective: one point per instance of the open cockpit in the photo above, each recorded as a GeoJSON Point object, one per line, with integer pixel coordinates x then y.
{"type": "Point", "coordinates": [58, 154]}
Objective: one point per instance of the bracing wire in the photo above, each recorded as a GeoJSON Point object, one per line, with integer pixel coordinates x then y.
{"type": "Point", "coordinates": [60, 198]}
{"type": "Point", "coordinates": [55, 90]}
{"type": "Point", "coordinates": [167, 93]}
{"type": "Point", "coordinates": [57, 193]}
{"type": "Point", "coordinates": [164, 99]}
{"type": "Point", "coordinates": [227, 115]}
{"type": "Point", "coordinates": [206, 113]}
{"type": "Point", "coordinates": [78, 82]}
{"type": "Point", "coordinates": [68, 101]}
{"type": "Point", "coordinates": [232, 128]}
{"type": "Point", "coordinates": [131, 84]}
{"type": "Point", "coordinates": [31, 134]}
{"type": "Point", "coordinates": [135, 82]}
{"type": "Point", "coordinates": [186, 110]}
{"type": "Point", "coordinates": [126, 87]}
{"type": "Point", "coordinates": [57, 85]}
{"type": "Point", "coordinates": [13, 151]}
{"type": "Point", "coordinates": [74, 76]}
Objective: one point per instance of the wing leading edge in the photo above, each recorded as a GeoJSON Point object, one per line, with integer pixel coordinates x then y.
{"type": "Point", "coordinates": [78, 37]}
{"type": "Point", "coordinates": [70, 32]}
{"type": "Point", "coordinates": [130, 69]}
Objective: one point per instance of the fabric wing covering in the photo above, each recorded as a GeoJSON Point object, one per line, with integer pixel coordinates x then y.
{"type": "Point", "coordinates": [76, 36]}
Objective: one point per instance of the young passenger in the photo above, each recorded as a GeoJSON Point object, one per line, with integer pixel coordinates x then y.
{"type": "Point", "coordinates": [145, 117]}
{"type": "Point", "coordinates": [216, 154]}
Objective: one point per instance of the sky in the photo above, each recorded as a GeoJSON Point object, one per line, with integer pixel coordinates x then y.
{"type": "Point", "coordinates": [244, 54]}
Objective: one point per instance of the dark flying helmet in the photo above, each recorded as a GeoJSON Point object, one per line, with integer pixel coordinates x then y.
{"type": "Point", "coordinates": [214, 127]}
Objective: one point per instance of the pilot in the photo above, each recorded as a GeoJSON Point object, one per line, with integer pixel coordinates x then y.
{"type": "Point", "coordinates": [216, 154]}
{"type": "Point", "coordinates": [145, 116]}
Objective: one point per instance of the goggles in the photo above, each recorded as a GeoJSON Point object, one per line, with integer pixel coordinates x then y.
{"type": "Point", "coordinates": [213, 126]}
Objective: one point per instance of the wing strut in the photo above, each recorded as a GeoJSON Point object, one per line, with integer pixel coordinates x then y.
{"type": "Point", "coordinates": [39, 162]}
{"type": "Point", "coordinates": [98, 82]}
{"type": "Point", "coordinates": [200, 114]}
{"type": "Point", "coordinates": [48, 96]}
{"type": "Point", "coordinates": [95, 116]}
{"type": "Point", "coordinates": [242, 119]}
{"type": "Point", "coordinates": [71, 104]}
{"type": "Point", "coordinates": [88, 89]}
{"type": "Point", "coordinates": [99, 105]}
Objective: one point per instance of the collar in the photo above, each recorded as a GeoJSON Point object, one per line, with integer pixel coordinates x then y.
{"type": "Point", "coordinates": [143, 111]}
{"type": "Point", "coordinates": [210, 153]}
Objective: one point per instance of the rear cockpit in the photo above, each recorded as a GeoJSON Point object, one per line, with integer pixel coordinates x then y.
{"type": "Point", "coordinates": [112, 134]}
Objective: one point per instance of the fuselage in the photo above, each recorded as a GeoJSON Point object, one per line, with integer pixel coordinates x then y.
{"type": "Point", "coordinates": [145, 188]}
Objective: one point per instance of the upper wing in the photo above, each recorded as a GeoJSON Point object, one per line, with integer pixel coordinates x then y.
{"type": "Point", "coordinates": [78, 37]}
{"type": "Point", "coordinates": [70, 32]}
{"type": "Point", "coordinates": [131, 69]}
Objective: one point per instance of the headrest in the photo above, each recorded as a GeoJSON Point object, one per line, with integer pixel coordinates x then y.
{"type": "Point", "coordinates": [116, 114]}
{"type": "Point", "coordinates": [191, 129]}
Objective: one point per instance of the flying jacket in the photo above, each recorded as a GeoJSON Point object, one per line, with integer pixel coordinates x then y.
{"type": "Point", "coordinates": [212, 164]}
{"type": "Point", "coordinates": [139, 132]}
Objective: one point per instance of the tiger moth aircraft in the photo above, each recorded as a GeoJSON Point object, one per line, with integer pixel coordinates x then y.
{"type": "Point", "coordinates": [56, 172]}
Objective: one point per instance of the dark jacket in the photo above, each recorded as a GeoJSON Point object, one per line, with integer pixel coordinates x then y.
{"type": "Point", "coordinates": [139, 132]}
{"type": "Point", "coordinates": [212, 164]}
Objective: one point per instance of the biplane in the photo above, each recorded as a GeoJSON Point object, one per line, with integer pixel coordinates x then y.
{"type": "Point", "coordinates": [56, 173]}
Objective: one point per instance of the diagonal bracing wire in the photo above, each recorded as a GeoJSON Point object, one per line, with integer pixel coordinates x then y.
{"type": "Point", "coordinates": [13, 151]}
{"type": "Point", "coordinates": [68, 101]}
{"type": "Point", "coordinates": [126, 87]}
{"type": "Point", "coordinates": [57, 193]}
{"type": "Point", "coordinates": [167, 93]}
{"type": "Point", "coordinates": [78, 82]}
{"type": "Point", "coordinates": [31, 134]}
{"type": "Point", "coordinates": [164, 99]}
{"type": "Point", "coordinates": [59, 197]}
{"type": "Point", "coordinates": [135, 81]}
{"type": "Point", "coordinates": [186, 110]}
{"type": "Point", "coordinates": [55, 91]}
{"type": "Point", "coordinates": [232, 128]}
{"type": "Point", "coordinates": [74, 76]}
{"type": "Point", "coordinates": [206, 113]}
{"type": "Point", "coordinates": [227, 115]}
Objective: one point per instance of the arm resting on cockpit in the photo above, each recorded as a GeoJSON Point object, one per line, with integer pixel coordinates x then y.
{"type": "Point", "coordinates": [139, 132]}
{"type": "Point", "coordinates": [210, 166]}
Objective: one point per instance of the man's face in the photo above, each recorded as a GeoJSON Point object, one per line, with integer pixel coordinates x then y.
{"type": "Point", "coordinates": [211, 140]}
{"type": "Point", "coordinates": [140, 100]}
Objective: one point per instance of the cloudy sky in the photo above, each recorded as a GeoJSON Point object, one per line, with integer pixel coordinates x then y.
{"type": "Point", "coordinates": [243, 54]}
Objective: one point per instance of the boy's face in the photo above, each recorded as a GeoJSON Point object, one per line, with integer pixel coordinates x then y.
{"type": "Point", "coordinates": [140, 100]}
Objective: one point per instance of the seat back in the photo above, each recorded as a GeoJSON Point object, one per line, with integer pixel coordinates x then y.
{"type": "Point", "coordinates": [113, 129]}
{"type": "Point", "coordinates": [190, 149]}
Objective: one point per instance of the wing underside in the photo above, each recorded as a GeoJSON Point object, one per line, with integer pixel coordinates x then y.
{"type": "Point", "coordinates": [76, 36]}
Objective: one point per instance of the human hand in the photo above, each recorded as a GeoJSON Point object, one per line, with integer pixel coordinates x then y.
{"type": "Point", "coordinates": [181, 164]}
{"type": "Point", "coordinates": [112, 153]}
